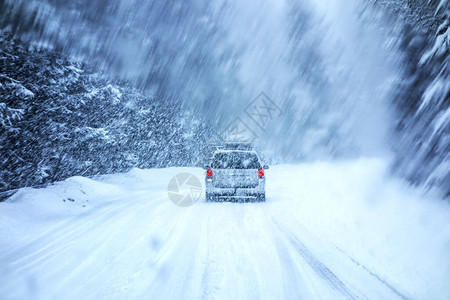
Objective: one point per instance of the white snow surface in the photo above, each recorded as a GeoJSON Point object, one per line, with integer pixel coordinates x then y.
{"type": "Point", "coordinates": [329, 230]}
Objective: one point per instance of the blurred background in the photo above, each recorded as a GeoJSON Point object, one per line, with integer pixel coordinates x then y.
{"type": "Point", "coordinates": [94, 87]}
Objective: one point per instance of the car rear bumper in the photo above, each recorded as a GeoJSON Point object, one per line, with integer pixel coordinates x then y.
{"type": "Point", "coordinates": [235, 193]}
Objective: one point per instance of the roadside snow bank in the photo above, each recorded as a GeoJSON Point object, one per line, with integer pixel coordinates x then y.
{"type": "Point", "coordinates": [77, 190]}
{"type": "Point", "coordinates": [74, 194]}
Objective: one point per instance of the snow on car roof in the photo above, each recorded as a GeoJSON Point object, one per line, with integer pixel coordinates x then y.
{"type": "Point", "coordinates": [228, 150]}
{"type": "Point", "coordinates": [236, 146]}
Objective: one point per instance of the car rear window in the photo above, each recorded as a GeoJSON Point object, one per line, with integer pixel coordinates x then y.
{"type": "Point", "coordinates": [235, 160]}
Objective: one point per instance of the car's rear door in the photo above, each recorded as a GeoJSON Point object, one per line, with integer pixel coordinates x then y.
{"type": "Point", "coordinates": [236, 169]}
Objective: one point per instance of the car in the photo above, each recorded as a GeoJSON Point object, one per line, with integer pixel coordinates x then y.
{"type": "Point", "coordinates": [235, 173]}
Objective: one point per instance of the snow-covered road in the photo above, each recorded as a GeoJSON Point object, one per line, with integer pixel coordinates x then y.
{"type": "Point", "coordinates": [327, 231]}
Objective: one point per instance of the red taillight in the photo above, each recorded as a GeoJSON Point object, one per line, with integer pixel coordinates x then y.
{"type": "Point", "coordinates": [209, 173]}
{"type": "Point", "coordinates": [261, 173]}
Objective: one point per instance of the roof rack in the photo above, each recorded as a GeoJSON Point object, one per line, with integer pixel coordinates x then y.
{"type": "Point", "coordinates": [236, 146]}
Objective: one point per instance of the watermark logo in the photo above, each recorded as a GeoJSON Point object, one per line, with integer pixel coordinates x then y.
{"type": "Point", "coordinates": [238, 131]}
{"type": "Point", "coordinates": [184, 189]}
{"type": "Point", "coordinates": [260, 111]}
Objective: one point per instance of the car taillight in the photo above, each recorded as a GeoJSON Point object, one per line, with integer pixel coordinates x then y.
{"type": "Point", "coordinates": [261, 173]}
{"type": "Point", "coordinates": [209, 173]}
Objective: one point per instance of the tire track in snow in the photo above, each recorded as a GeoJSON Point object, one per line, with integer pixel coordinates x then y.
{"type": "Point", "coordinates": [291, 273]}
{"type": "Point", "coordinates": [357, 267]}
{"type": "Point", "coordinates": [144, 218]}
{"type": "Point", "coordinates": [393, 289]}
{"type": "Point", "coordinates": [325, 273]}
{"type": "Point", "coordinates": [70, 225]}
{"type": "Point", "coordinates": [63, 234]}
{"type": "Point", "coordinates": [207, 288]}
{"type": "Point", "coordinates": [231, 267]}
{"type": "Point", "coordinates": [176, 261]}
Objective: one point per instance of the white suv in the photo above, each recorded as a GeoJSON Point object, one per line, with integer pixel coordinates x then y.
{"type": "Point", "coordinates": [235, 173]}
